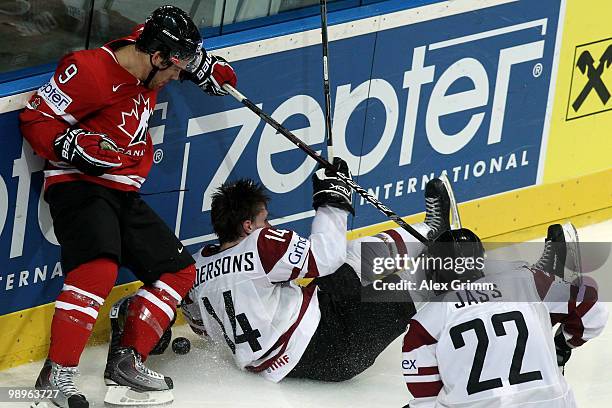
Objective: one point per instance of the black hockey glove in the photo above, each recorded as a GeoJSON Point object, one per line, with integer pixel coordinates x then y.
{"type": "Point", "coordinates": [92, 153]}
{"type": "Point", "coordinates": [564, 351]}
{"type": "Point", "coordinates": [211, 74]}
{"type": "Point", "coordinates": [329, 189]}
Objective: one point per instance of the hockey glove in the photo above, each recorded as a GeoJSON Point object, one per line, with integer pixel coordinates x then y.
{"type": "Point", "coordinates": [212, 73]}
{"type": "Point", "coordinates": [92, 153]}
{"type": "Point", "coordinates": [564, 351]}
{"type": "Point", "coordinates": [329, 189]}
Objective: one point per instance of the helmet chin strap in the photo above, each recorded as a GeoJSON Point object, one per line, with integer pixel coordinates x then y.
{"type": "Point", "coordinates": [154, 70]}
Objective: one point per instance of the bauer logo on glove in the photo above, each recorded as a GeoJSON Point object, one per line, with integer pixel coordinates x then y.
{"type": "Point", "coordinates": [212, 73]}
{"type": "Point", "coordinates": [90, 152]}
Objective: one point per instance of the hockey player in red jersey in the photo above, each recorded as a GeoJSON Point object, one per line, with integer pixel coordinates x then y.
{"type": "Point", "coordinates": [90, 121]}
{"type": "Point", "coordinates": [245, 294]}
{"type": "Point", "coordinates": [493, 347]}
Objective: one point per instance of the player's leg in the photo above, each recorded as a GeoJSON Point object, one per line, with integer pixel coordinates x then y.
{"type": "Point", "coordinates": [88, 231]}
{"type": "Point", "coordinates": [167, 270]}
{"type": "Point", "coordinates": [350, 336]}
{"type": "Point", "coordinates": [362, 252]}
{"type": "Point", "coordinates": [378, 320]}
{"type": "Point", "coordinates": [355, 329]}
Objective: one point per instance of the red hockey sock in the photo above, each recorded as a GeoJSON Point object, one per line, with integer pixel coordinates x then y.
{"type": "Point", "coordinates": [76, 309]}
{"type": "Point", "coordinates": [152, 309]}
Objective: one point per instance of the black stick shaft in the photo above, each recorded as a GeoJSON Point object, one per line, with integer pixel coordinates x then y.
{"type": "Point", "coordinates": [326, 89]}
{"type": "Point", "coordinates": [304, 147]}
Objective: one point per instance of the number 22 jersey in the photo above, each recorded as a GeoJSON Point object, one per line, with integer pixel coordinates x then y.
{"type": "Point", "coordinates": [494, 347]}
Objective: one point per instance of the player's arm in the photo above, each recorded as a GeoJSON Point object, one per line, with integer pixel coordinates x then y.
{"type": "Point", "coordinates": [50, 121]}
{"type": "Point", "coordinates": [287, 256]}
{"type": "Point", "coordinates": [332, 201]}
{"type": "Point", "coordinates": [420, 366]}
{"type": "Point", "coordinates": [210, 72]}
{"type": "Point", "coordinates": [576, 308]}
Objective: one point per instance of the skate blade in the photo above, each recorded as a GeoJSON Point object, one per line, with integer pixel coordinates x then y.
{"type": "Point", "coordinates": [573, 263]}
{"type": "Point", "coordinates": [456, 219]}
{"type": "Point", "coordinates": [124, 396]}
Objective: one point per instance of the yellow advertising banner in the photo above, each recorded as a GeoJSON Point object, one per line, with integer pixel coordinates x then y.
{"type": "Point", "coordinates": [580, 138]}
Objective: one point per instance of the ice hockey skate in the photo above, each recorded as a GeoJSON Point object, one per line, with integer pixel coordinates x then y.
{"type": "Point", "coordinates": [131, 383]}
{"type": "Point", "coordinates": [437, 207]}
{"type": "Point", "coordinates": [561, 255]}
{"type": "Point", "coordinates": [60, 380]}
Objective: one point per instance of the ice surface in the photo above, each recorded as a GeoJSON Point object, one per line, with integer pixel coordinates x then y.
{"type": "Point", "coordinates": [207, 377]}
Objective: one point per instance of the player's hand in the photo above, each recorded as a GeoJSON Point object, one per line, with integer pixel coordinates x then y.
{"type": "Point", "coordinates": [212, 73]}
{"type": "Point", "coordinates": [564, 351]}
{"type": "Point", "coordinates": [329, 189]}
{"type": "Point", "coordinates": [92, 153]}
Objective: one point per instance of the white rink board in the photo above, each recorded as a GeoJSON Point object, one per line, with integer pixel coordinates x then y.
{"type": "Point", "coordinates": [207, 377]}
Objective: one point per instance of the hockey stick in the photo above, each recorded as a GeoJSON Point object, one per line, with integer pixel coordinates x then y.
{"type": "Point", "coordinates": [324, 163]}
{"type": "Point", "coordinates": [328, 121]}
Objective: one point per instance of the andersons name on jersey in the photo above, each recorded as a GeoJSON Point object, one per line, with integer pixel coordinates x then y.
{"type": "Point", "coordinates": [224, 265]}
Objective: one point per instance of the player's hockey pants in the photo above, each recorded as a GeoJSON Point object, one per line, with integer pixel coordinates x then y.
{"type": "Point", "coordinates": [352, 331]}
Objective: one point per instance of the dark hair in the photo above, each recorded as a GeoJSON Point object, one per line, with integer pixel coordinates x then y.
{"type": "Point", "coordinates": [233, 203]}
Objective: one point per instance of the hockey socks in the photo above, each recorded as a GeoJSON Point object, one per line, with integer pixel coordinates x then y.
{"type": "Point", "coordinates": [76, 309]}
{"type": "Point", "coordinates": [152, 309]}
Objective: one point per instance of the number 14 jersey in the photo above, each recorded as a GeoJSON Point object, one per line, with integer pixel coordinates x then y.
{"type": "Point", "coordinates": [245, 295]}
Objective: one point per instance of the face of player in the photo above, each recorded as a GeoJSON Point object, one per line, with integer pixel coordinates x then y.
{"type": "Point", "coordinates": [165, 73]}
{"type": "Point", "coordinates": [260, 221]}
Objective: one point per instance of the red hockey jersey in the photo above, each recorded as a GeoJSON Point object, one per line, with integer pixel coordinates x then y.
{"type": "Point", "coordinates": [92, 91]}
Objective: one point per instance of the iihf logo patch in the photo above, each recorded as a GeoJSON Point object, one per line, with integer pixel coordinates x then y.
{"type": "Point", "coordinates": [135, 123]}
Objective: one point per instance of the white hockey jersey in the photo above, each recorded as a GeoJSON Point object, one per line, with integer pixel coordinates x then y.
{"type": "Point", "coordinates": [494, 347]}
{"type": "Point", "coordinates": [245, 295]}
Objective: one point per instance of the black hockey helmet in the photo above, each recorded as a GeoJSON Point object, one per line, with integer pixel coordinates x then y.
{"type": "Point", "coordinates": [456, 255]}
{"type": "Point", "coordinates": [172, 32]}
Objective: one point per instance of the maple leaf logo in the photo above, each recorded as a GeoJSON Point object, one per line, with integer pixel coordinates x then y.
{"type": "Point", "coordinates": [136, 122]}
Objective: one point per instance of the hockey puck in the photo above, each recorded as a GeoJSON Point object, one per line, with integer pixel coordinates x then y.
{"type": "Point", "coordinates": [181, 345]}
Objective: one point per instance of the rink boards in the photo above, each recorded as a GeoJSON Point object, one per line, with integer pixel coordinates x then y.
{"type": "Point", "coordinates": [485, 90]}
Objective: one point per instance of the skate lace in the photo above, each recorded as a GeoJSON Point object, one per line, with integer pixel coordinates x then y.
{"type": "Point", "coordinates": [433, 213]}
{"type": "Point", "coordinates": [145, 370]}
{"type": "Point", "coordinates": [63, 379]}
{"type": "Point", "coordinates": [544, 260]}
